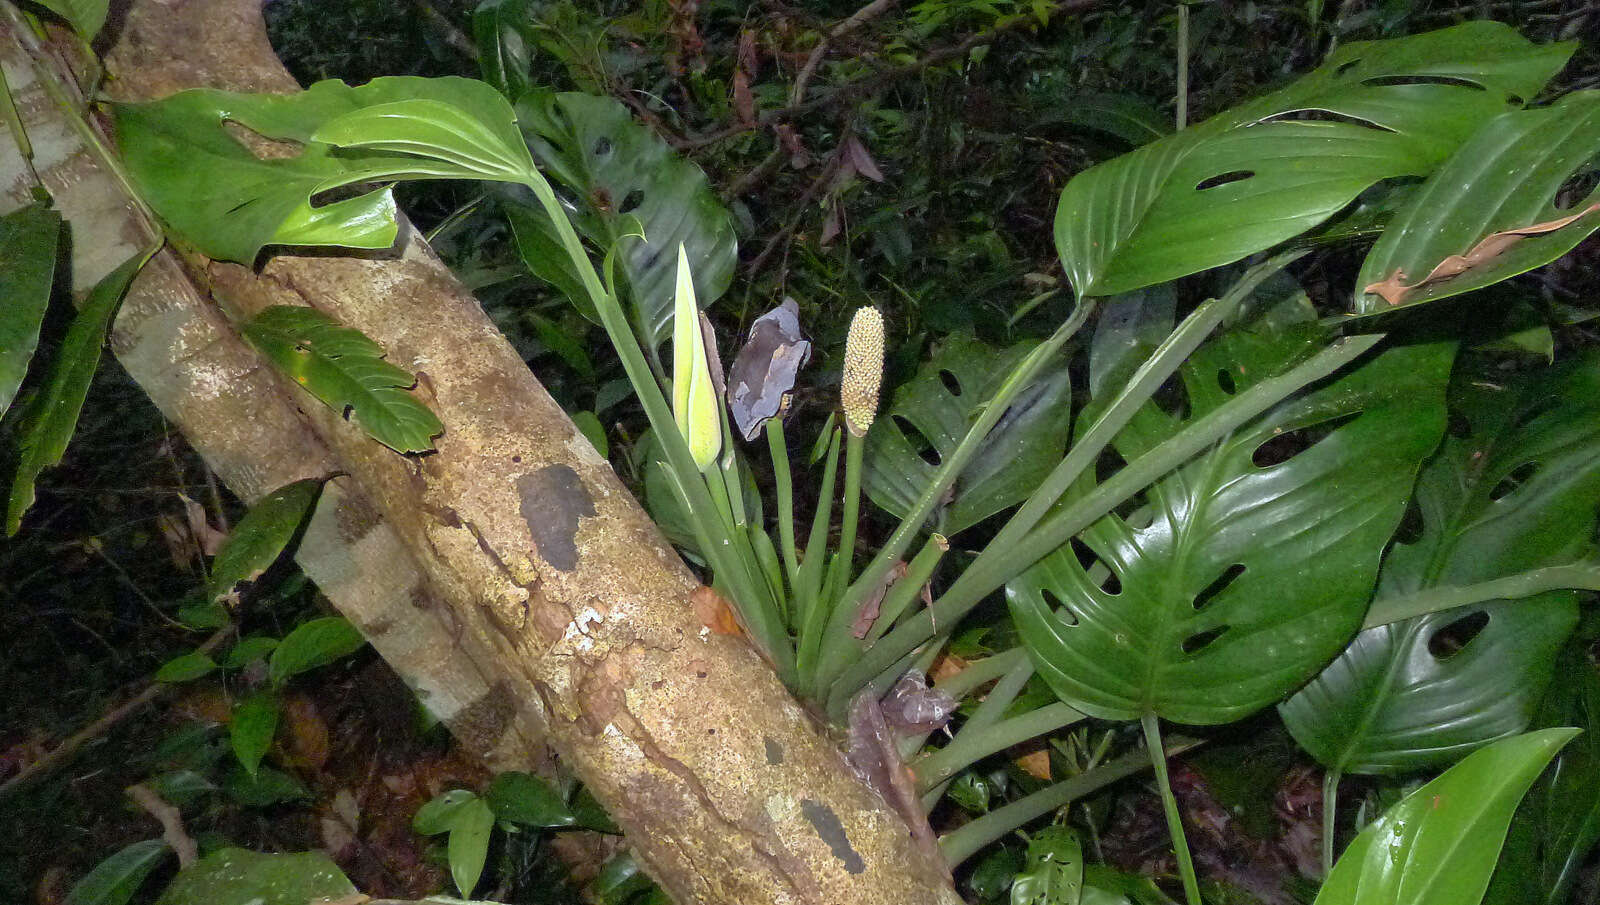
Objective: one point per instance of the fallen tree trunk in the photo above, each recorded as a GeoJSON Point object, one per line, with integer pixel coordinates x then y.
{"type": "Point", "coordinates": [509, 576]}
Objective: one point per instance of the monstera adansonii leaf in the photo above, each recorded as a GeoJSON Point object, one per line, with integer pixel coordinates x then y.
{"type": "Point", "coordinates": [1490, 212]}
{"type": "Point", "coordinates": [932, 412]}
{"type": "Point", "coordinates": [612, 166]}
{"type": "Point", "coordinates": [1250, 566]}
{"type": "Point", "coordinates": [1513, 487]}
{"type": "Point", "coordinates": [225, 200]}
{"type": "Point", "coordinates": [1265, 171]}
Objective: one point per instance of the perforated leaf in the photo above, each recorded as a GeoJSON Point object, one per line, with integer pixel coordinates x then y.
{"type": "Point", "coordinates": [1489, 213]}
{"type": "Point", "coordinates": [1248, 577]}
{"type": "Point", "coordinates": [345, 370]}
{"type": "Point", "coordinates": [236, 876]}
{"type": "Point", "coordinates": [1270, 169]}
{"type": "Point", "coordinates": [1511, 489]}
{"type": "Point", "coordinates": [930, 414]}
{"type": "Point", "coordinates": [229, 203]}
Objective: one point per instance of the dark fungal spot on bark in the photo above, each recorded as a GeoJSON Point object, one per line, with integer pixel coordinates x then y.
{"type": "Point", "coordinates": [774, 751]}
{"type": "Point", "coordinates": [356, 518]}
{"type": "Point", "coordinates": [826, 823]}
{"type": "Point", "coordinates": [553, 501]}
{"type": "Point", "coordinates": [488, 718]}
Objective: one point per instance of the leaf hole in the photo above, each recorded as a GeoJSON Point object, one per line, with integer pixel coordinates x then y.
{"type": "Point", "coordinates": [1509, 484]}
{"type": "Point", "coordinates": [1515, 100]}
{"type": "Point", "coordinates": [918, 442]}
{"type": "Point", "coordinates": [1226, 383]}
{"type": "Point", "coordinates": [1097, 569]}
{"type": "Point", "coordinates": [1449, 640]}
{"type": "Point", "coordinates": [1345, 67]}
{"type": "Point", "coordinates": [1456, 424]}
{"type": "Point", "coordinates": [1316, 115]}
{"type": "Point", "coordinates": [631, 202]}
{"type": "Point", "coordinates": [602, 147]}
{"type": "Point", "coordinates": [1210, 592]}
{"type": "Point", "coordinates": [1287, 445]}
{"type": "Point", "coordinates": [1222, 179]}
{"type": "Point", "coordinates": [951, 384]}
{"type": "Point", "coordinates": [1058, 606]}
{"type": "Point", "coordinates": [1200, 640]}
{"type": "Point", "coordinates": [1579, 186]}
{"type": "Point", "coordinates": [1172, 399]}
{"type": "Point", "coordinates": [1409, 531]}
{"type": "Point", "coordinates": [1388, 81]}
{"type": "Point", "coordinates": [1106, 465]}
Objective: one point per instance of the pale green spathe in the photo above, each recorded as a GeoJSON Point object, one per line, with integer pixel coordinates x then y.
{"type": "Point", "coordinates": [694, 396]}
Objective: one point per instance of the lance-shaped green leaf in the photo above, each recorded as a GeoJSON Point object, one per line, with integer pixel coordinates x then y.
{"type": "Point", "coordinates": [1259, 555]}
{"type": "Point", "coordinates": [229, 203]}
{"type": "Point", "coordinates": [504, 32]}
{"type": "Point", "coordinates": [28, 239]}
{"type": "Point", "coordinates": [1439, 845]}
{"type": "Point", "coordinates": [1558, 824]}
{"type": "Point", "coordinates": [1270, 169]}
{"type": "Point", "coordinates": [695, 405]}
{"type": "Point", "coordinates": [115, 880]}
{"type": "Point", "coordinates": [261, 536]}
{"type": "Point", "coordinates": [86, 17]}
{"type": "Point", "coordinates": [1490, 212]}
{"type": "Point", "coordinates": [342, 367]}
{"type": "Point", "coordinates": [313, 644]}
{"type": "Point", "coordinates": [236, 875]}
{"type": "Point", "coordinates": [52, 416]}
{"type": "Point", "coordinates": [1512, 488]}
{"type": "Point", "coordinates": [933, 411]}
{"type": "Point", "coordinates": [610, 167]}
{"type": "Point", "coordinates": [468, 847]}
{"type": "Point", "coordinates": [250, 731]}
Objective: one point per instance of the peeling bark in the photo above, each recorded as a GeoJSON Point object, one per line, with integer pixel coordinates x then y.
{"type": "Point", "coordinates": [509, 576]}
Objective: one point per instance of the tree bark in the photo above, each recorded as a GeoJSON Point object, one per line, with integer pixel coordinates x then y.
{"type": "Point", "coordinates": [508, 576]}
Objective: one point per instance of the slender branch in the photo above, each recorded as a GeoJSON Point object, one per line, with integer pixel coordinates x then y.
{"type": "Point", "coordinates": [1183, 65]}
{"type": "Point", "coordinates": [171, 820]}
{"type": "Point", "coordinates": [69, 746]}
{"type": "Point", "coordinates": [1574, 576]}
{"type": "Point", "coordinates": [1330, 813]}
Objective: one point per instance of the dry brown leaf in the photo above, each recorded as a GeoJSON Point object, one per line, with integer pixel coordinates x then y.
{"type": "Point", "coordinates": [1394, 290]}
{"type": "Point", "coordinates": [744, 71]}
{"type": "Point", "coordinates": [945, 666]}
{"type": "Point", "coordinates": [714, 611]}
{"type": "Point", "coordinates": [1036, 764]}
{"type": "Point", "coordinates": [868, 613]}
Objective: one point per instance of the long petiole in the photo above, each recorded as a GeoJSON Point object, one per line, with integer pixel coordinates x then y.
{"type": "Point", "coordinates": [983, 577]}
{"type": "Point", "coordinates": [1574, 576]}
{"type": "Point", "coordinates": [1180, 843]}
{"type": "Point", "coordinates": [838, 640]}
{"type": "Point", "coordinates": [778, 447]}
{"type": "Point", "coordinates": [1330, 815]}
{"type": "Point", "coordinates": [960, 845]}
{"type": "Point", "coordinates": [812, 609]}
{"type": "Point", "coordinates": [988, 713]}
{"type": "Point", "coordinates": [965, 751]}
{"type": "Point", "coordinates": [853, 446]}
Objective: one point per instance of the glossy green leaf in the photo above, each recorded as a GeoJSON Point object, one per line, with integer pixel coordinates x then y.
{"type": "Point", "coordinates": [1505, 178]}
{"type": "Point", "coordinates": [612, 167]}
{"type": "Point", "coordinates": [249, 650]}
{"type": "Point", "coordinates": [345, 370]}
{"type": "Point", "coordinates": [261, 536]}
{"type": "Point", "coordinates": [265, 789]}
{"type": "Point", "coordinates": [1558, 824]}
{"type": "Point", "coordinates": [1124, 116]}
{"type": "Point", "coordinates": [229, 203]}
{"type": "Point", "coordinates": [51, 418]}
{"type": "Point", "coordinates": [503, 31]}
{"type": "Point", "coordinates": [86, 17]}
{"type": "Point", "coordinates": [254, 723]}
{"type": "Point", "coordinates": [235, 876]}
{"type": "Point", "coordinates": [1265, 171]}
{"type": "Point", "coordinates": [590, 815]}
{"type": "Point", "coordinates": [1054, 871]}
{"type": "Point", "coordinates": [186, 667]}
{"type": "Point", "coordinates": [115, 880]}
{"type": "Point", "coordinates": [1103, 885]}
{"type": "Point", "coordinates": [1439, 845]}
{"type": "Point", "coordinates": [621, 881]}
{"type": "Point", "coordinates": [313, 644]}
{"type": "Point", "coordinates": [28, 240]}
{"type": "Point", "coordinates": [440, 813]}
{"type": "Point", "coordinates": [932, 412]}
{"type": "Point", "coordinates": [1512, 488]}
{"type": "Point", "coordinates": [468, 847]}
{"type": "Point", "coordinates": [180, 787]}
{"type": "Point", "coordinates": [528, 800]}
{"type": "Point", "coordinates": [1217, 609]}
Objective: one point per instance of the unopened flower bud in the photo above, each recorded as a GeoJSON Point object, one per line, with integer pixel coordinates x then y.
{"type": "Point", "coordinates": [863, 370]}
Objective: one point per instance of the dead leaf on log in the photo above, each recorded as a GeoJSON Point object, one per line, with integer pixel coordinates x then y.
{"type": "Point", "coordinates": [1036, 764]}
{"type": "Point", "coordinates": [744, 72]}
{"type": "Point", "coordinates": [714, 611]}
{"type": "Point", "coordinates": [868, 614]}
{"type": "Point", "coordinates": [1394, 289]}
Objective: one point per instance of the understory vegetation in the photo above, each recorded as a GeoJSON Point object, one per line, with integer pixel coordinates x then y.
{"type": "Point", "coordinates": [1159, 442]}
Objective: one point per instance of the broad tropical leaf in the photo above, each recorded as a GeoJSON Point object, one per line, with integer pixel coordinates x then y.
{"type": "Point", "coordinates": [313, 644]}
{"type": "Point", "coordinates": [468, 847]}
{"type": "Point", "coordinates": [236, 876]}
{"type": "Point", "coordinates": [186, 667]}
{"type": "Point", "coordinates": [28, 239]}
{"type": "Point", "coordinates": [86, 17]}
{"type": "Point", "coordinates": [503, 30]}
{"type": "Point", "coordinates": [932, 413]}
{"type": "Point", "coordinates": [1489, 213]}
{"type": "Point", "coordinates": [1054, 871]}
{"type": "Point", "coordinates": [1558, 823]}
{"type": "Point", "coordinates": [1439, 845]}
{"type": "Point", "coordinates": [261, 536]}
{"type": "Point", "coordinates": [52, 416]}
{"type": "Point", "coordinates": [1270, 169]}
{"type": "Point", "coordinates": [1218, 609]}
{"type": "Point", "coordinates": [342, 367]}
{"type": "Point", "coordinates": [526, 799]}
{"type": "Point", "coordinates": [612, 166]}
{"type": "Point", "coordinates": [1512, 488]}
{"type": "Point", "coordinates": [115, 880]}
{"type": "Point", "coordinates": [250, 731]}
{"type": "Point", "coordinates": [1124, 116]}
{"type": "Point", "coordinates": [229, 203]}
